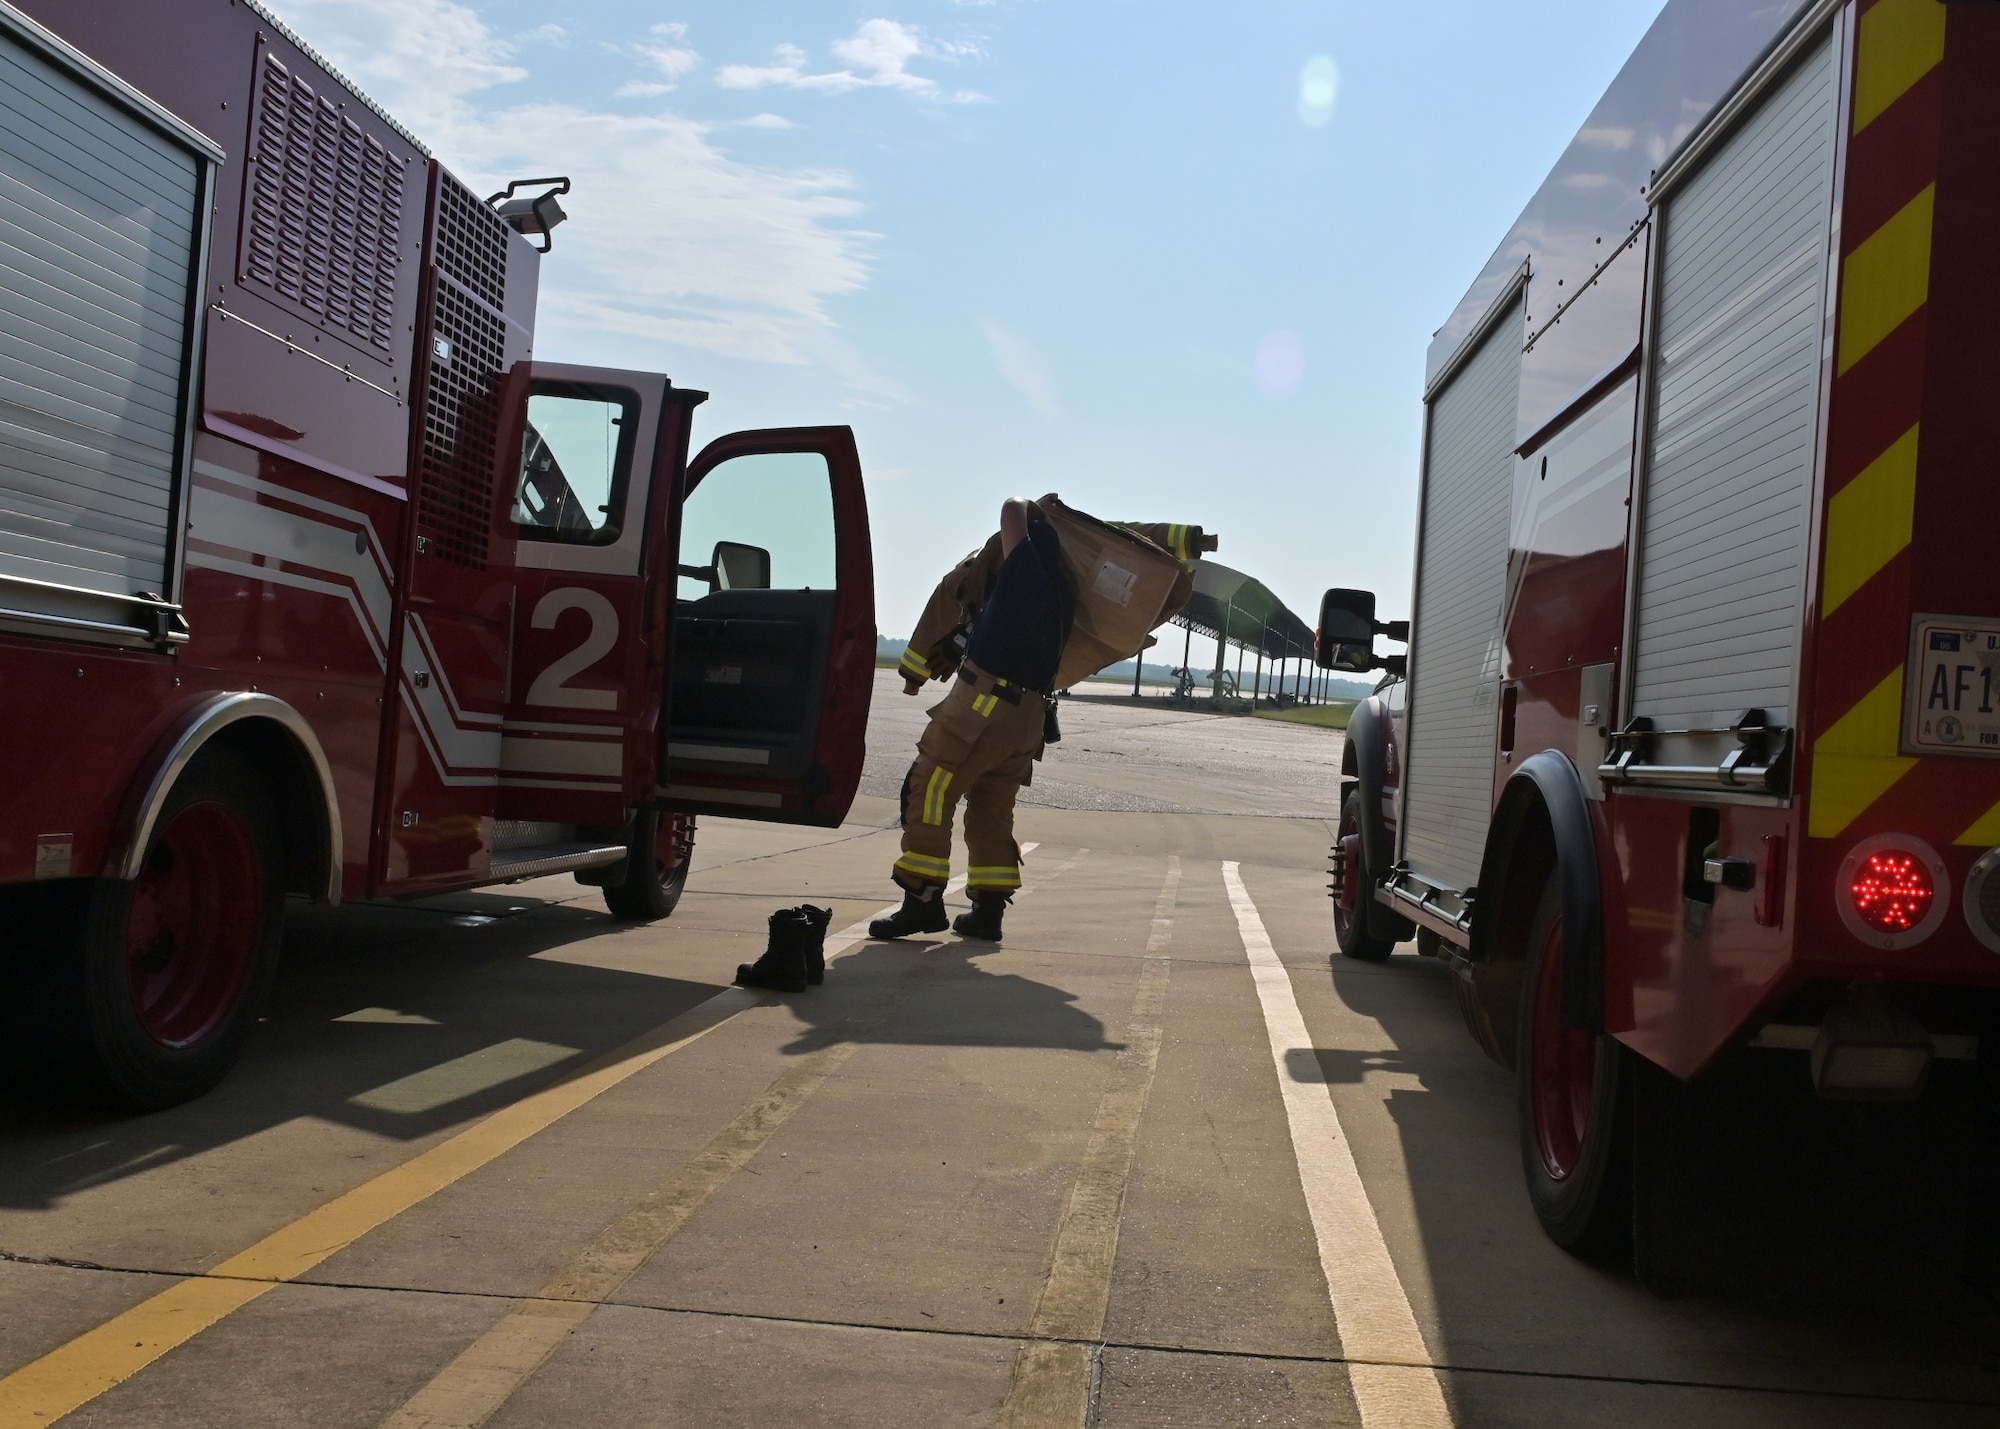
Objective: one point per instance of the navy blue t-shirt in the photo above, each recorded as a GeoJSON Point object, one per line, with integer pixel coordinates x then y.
{"type": "Point", "coordinates": [1021, 633]}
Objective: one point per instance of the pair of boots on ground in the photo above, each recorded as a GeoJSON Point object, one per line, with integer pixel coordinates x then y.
{"type": "Point", "coordinates": [796, 954]}
{"type": "Point", "coordinates": [923, 912]}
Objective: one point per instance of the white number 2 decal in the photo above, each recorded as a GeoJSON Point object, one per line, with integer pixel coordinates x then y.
{"type": "Point", "coordinates": [551, 686]}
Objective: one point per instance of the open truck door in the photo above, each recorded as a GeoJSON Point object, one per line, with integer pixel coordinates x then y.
{"type": "Point", "coordinates": [773, 656]}
{"type": "Point", "coordinates": [594, 459]}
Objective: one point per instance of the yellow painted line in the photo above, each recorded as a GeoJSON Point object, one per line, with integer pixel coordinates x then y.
{"type": "Point", "coordinates": [1855, 762]}
{"type": "Point", "coordinates": [1869, 520]}
{"type": "Point", "coordinates": [1901, 41]}
{"type": "Point", "coordinates": [472, 1388]}
{"type": "Point", "coordinates": [1389, 1366]}
{"type": "Point", "coordinates": [76, 1373]}
{"type": "Point", "coordinates": [1887, 278]}
{"type": "Point", "coordinates": [1051, 1383]}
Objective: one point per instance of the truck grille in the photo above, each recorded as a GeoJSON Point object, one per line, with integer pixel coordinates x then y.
{"type": "Point", "coordinates": [468, 351]}
{"type": "Point", "coordinates": [323, 210]}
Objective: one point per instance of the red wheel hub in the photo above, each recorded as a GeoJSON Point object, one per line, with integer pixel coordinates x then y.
{"type": "Point", "coordinates": [1349, 902]}
{"type": "Point", "coordinates": [1562, 1070]}
{"type": "Point", "coordinates": [194, 925]}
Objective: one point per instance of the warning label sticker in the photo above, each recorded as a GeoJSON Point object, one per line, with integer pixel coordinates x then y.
{"type": "Point", "coordinates": [1952, 703]}
{"type": "Point", "coordinates": [1114, 583]}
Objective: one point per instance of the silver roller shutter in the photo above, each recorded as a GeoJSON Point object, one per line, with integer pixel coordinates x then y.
{"type": "Point", "coordinates": [1461, 585]}
{"type": "Point", "coordinates": [1727, 490]}
{"type": "Point", "coordinates": [100, 226]}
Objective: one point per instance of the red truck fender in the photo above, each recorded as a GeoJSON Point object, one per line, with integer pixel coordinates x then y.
{"type": "Point", "coordinates": [273, 734]}
{"type": "Point", "coordinates": [1511, 871]}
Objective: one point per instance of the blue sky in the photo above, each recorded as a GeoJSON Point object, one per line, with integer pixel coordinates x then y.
{"type": "Point", "coordinates": [1162, 258]}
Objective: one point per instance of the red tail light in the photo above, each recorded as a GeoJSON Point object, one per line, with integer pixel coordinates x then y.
{"type": "Point", "coordinates": [1893, 890]}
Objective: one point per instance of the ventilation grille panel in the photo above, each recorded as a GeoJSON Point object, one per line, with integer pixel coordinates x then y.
{"type": "Point", "coordinates": [322, 210]}
{"type": "Point", "coordinates": [472, 243]}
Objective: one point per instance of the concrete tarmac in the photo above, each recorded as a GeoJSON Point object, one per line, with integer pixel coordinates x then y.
{"type": "Point", "coordinates": [498, 1158]}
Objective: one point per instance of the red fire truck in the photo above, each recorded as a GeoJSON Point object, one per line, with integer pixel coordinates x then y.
{"type": "Point", "coordinates": [313, 580]}
{"type": "Point", "coordinates": [1695, 776]}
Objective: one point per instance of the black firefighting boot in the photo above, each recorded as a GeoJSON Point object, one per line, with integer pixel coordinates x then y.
{"type": "Point", "coordinates": [983, 922]}
{"type": "Point", "coordinates": [815, 941]}
{"type": "Point", "coordinates": [783, 966]}
{"type": "Point", "coordinates": [920, 913]}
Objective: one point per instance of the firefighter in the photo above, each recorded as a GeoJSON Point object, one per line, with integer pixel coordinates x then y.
{"type": "Point", "coordinates": [986, 734]}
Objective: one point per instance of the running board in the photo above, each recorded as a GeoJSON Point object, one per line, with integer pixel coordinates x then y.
{"type": "Point", "coordinates": [1445, 911]}
{"type": "Point", "coordinates": [542, 859]}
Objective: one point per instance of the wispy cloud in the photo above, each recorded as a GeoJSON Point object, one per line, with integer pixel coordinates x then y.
{"type": "Point", "coordinates": [877, 55]}
{"type": "Point", "coordinates": [671, 239]}
{"type": "Point", "coordinates": [1022, 368]}
{"type": "Point", "coordinates": [667, 50]}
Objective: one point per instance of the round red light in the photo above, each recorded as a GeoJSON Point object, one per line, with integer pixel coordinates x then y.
{"type": "Point", "coordinates": [1891, 890]}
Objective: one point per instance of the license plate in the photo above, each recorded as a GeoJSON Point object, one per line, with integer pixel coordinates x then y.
{"type": "Point", "coordinates": [1953, 700]}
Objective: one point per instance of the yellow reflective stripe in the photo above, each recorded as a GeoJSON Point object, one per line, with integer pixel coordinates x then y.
{"type": "Point", "coordinates": [1887, 278]}
{"type": "Point", "coordinates": [1177, 541]}
{"type": "Point", "coordinates": [1868, 521]}
{"type": "Point", "coordinates": [1857, 759]}
{"type": "Point", "coordinates": [916, 664]}
{"type": "Point", "coordinates": [1901, 42]}
{"type": "Point", "coordinates": [993, 878]}
{"type": "Point", "coordinates": [1985, 831]}
{"type": "Point", "coordinates": [928, 869]}
{"type": "Point", "coordinates": [934, 796]}
{"type": "Point", "coordinates": [985, 704]}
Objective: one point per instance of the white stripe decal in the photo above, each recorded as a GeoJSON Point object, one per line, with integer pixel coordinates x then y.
{"type": "Point", "coordinates": [461, 748]}
{"type": "Point", "coordinates": [465, 746]}
{"type": "Point", "coordinates": [278, 575]}
{"type": "Point", "coordinates": [455, 781]}
{"type": "Point", "coordinates": [561, 756]}
{"type": "Point", "coordinates": [1388, 1364]}
{"type": "Point", "coordinates": [238, 522]}
{"type": "Point", "coordinates": [459, 712]}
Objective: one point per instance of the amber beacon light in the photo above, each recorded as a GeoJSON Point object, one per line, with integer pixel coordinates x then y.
{"type": "Point", "coordinates": [1892, 891]}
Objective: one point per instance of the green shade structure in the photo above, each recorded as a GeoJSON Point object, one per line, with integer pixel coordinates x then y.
{"type": "Point", "coordinates": [1240, 610]}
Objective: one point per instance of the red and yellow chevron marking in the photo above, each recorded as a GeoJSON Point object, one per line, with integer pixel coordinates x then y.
{"type": "Point", "coordinates": [1876, 436]}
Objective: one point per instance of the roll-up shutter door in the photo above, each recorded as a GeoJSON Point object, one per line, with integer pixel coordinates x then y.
{"type": "Point", "coordinates": [1742, 296]}
{"type": "Point", "coordinates": [1461, 584]}
{"type": "Point", "coordinates": [99, 222]}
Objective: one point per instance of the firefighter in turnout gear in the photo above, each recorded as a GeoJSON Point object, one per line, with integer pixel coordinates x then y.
{"type": "Point", "coordinates": [995, 628]}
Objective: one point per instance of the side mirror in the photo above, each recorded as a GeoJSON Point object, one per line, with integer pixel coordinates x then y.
{"type": "Point", "coordinates": [741, 567]}
{"type": "Point", "coordinates": [1347, 631]}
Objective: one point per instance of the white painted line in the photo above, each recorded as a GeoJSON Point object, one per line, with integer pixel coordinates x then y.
{"type": "Point", "coordinates": [1389, 1365]}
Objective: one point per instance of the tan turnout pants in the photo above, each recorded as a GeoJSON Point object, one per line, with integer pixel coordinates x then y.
{"type": "Point", "coordinates": [980, 746]}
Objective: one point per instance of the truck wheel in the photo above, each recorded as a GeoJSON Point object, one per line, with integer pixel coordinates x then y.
{"type": "Point", "coordinates": [1574, 1148]}
{"type": "Point", "coordinates": [176, 963]}
{"type": "Point", "coordinates": [656, 868]}
{"type": "Point", "coordinates": [1350, 911]}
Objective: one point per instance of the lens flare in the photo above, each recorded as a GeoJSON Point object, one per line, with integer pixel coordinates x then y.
{"type": "Point", "coordinates": [1319, 88]}
{"type": "Point", "coordinates": [1280, 364]}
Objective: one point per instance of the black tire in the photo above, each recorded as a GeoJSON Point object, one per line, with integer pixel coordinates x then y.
{"type": "Point", "coordinates": [656, 869]}
{"type": "Point", "coordinates": [1571, 1090]}
{"type": "Point", "coordinates": [1350, 923]}
{"type": "Point", "coordinates": [170, 971]}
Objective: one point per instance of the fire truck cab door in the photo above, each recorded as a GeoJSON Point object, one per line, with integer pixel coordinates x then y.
{"type": "Point", "coordinates": [773, 657]}
{"type": "Point", "coordinates": [586, 453]}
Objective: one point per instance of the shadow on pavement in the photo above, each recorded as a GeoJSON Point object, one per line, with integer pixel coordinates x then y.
{"type": "Point", "coordinates": [456, 1017]}
{"type": "Point", "coordinates": [1508, 1299]}
{"type": "Point", "coordinates": [962, 1005]}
